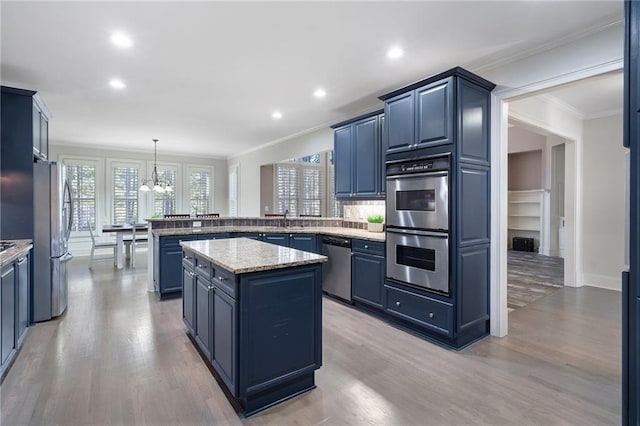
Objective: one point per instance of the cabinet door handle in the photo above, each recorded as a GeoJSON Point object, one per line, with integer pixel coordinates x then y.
{"type": "Point", "coordinates": [221, 278]}
{"type": "Point", "coordinates": [398, 303]}
{"type": "Point", "coordinates": [192, 274]}
{"type": "Point", "coordinates": [22, 260]}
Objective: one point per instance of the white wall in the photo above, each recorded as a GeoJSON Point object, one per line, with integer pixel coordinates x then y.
{"type": "Point", "coordinates": [310, 143]}
{"type": "Point", "coordinates": [603, 202]}
{"type": "Point", "coordinates": [80, 244]}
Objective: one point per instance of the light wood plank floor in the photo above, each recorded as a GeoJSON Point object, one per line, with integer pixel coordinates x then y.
{"type": "Point", "coordinates": [119, 356]}
{"type": "Point", "coordinates": [531, 276]}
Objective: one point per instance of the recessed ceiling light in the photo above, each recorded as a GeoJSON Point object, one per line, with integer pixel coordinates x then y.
{"type": "Point", "coordinates": [117, 84]}
{"type": "Point", "coordinates": [395, 52]}
{"type": "Point", "coordinates": [121, 40]}
{"type": "Point", "coordinates": [320, 93]}
{"type": "Point", "coordinates": [276, 115]}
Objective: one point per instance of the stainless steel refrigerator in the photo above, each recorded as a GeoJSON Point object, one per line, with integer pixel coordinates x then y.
{"type": "Point", "coordinates": [53, 219]}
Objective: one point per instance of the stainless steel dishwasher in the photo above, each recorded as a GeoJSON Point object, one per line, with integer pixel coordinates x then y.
{"type": "Point", "coordinates": [336, 272]}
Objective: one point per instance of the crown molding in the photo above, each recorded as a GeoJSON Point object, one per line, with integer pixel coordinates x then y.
{"type": "Point", "coordinates": [135, 150]}
{"type": "Point", "coordinates": [602, 114]}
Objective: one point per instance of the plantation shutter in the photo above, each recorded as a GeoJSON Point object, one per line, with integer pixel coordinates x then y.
{"type": "Point", "coordinates": [165, 203]}
{"type": "Point", "coordinates": [82, 179]}
{"type": "Point", "coordinates": [287, 188]}
{"type": "Point", "coordinates": [233, 192]}
{"type": "Point", "coordinates": [312, 190]}
{"type": "Point", "coordinates": [199, 191]}
{"type": "Point", "coordinates": [125, 195]}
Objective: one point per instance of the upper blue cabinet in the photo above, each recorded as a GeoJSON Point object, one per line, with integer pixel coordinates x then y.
{"type": "Point", "coordinates": [449, 108]}
{"type": "Point", "coordinates": [358, 157]}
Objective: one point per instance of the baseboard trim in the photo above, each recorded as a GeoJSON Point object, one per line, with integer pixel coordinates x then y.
{"type": "Point", "coordinates": [603, 281]}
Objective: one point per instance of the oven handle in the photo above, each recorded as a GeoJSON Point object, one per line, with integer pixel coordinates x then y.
{"type": "Point", "coordinates": [417, 232]}
{"type": "Point", "coordinates": [411, 175]}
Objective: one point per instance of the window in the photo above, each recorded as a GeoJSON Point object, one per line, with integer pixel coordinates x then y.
{"type": "Point", "coordinates": [165, 203]}
{"type": "Point", "coordinates": [233, 190]}
{"type": "Point", "coordinates": [199, 190]}
{"type": "Point", "coordinates": [82, 179]}
{"type": "Point", "coordinates": [299, 187]}
{"type": "Point", "coordinates": [125, 194]}
{"type": "Point", "coordinates": [287, 188]}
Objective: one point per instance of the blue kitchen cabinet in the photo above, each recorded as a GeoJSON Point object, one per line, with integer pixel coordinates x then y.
{"type": "Point", "coordinates": [278, 239]}
{"type": "Point", "coordinates": [367, 272]}
{"type": "Point", "coordinates": [382, 132]}
{"type": "Point", "coordinates": [434, 114]}
{"type": "Point", "coordinates": [168, 263]}
{"type": "Point", "coordinates": [365, 164]}
{"type": "Point", "coordinates": [215, 236]}
{"type": "Point", "coordinates": [358, 158]}
{"type": "Point", "coordinates": [203, 313]}
{"type": "Point", "coordinates": [225, 342]}
{"type": "Point", "coordinates": [188, 294]}
{"type": "Point", "coordinates": [399, 118]}
{"type": "Point", "coordinates": [305, 242]}
{"type": "Point", "coordinates": [8, 314]}
{"type": "Point", "coordinates": [23, 271]}
{"type": "Point", "coordinates": [343, 161]}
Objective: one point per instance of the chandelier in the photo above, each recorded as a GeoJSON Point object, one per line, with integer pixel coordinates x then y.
{"type": "Point", "coordinates": [157, 185]}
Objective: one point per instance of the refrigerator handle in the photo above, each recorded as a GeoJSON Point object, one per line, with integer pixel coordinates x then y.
{"type": "Point", "coordinates": [67, 189]}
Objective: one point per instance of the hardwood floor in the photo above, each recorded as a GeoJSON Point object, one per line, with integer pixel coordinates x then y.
{"type": "Point", "coordinates": [531, 276]}
{"type": "Point", "coordinates": [119, 356]}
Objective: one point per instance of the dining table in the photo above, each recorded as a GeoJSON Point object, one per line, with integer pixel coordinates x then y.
{"type": "Point", "coordinates": [121, 232]}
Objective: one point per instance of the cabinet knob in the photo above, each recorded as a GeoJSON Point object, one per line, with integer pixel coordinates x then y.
{"type": "Point", "coordinates": [187, 258]}
{"type": "Point", "coordinates": [202, 266]}
{"type": "Point", "coordinates": [398, 303]}
{"type": "Point", "coordinates": [210, 287]}
{"type": "Point", "coordinates": [290, 235]}
{"type": "Point", "coordinates": [366, 246]}
{"type": "Point", "coordinates": [192, 274]}
{"type": "Point", "coordinates": [221, 278]}
{"type": "Point", "coordinates": [431, 315]}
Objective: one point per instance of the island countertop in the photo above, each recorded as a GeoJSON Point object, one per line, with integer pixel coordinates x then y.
{"type": "Point", "coordinates": [243, 255]}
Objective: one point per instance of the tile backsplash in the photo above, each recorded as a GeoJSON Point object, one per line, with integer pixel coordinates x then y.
{"type": "Point", "coordinates": [357, 211]}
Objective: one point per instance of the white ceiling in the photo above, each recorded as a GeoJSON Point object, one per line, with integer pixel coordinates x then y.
{"type": "Point", "coordinates": [204, 77]}
{"type": "Point", "coordinates": [593, 97]}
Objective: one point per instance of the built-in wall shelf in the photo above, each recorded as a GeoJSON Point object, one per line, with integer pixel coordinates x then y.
{"type": "Point", "coordinates": [526, 215]}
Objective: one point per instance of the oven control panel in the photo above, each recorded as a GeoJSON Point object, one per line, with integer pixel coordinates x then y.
{"type": "Point", "coordinates": [418, 166]}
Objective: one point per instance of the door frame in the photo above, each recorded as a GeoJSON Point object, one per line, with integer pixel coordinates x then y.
{"type": "Point", "coordinates": [499, 163]}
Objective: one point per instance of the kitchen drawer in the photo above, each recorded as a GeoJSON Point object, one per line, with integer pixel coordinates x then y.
{"type": "Point", "coordinates": [174, 240]}
{"type": "Point", "coordinates": [188, 259]}
{"type": "Point", "coordinates": [429, 313]}
{"type": "Point", "coordinates": [371, 247]}
{"type": "Point", "coordinates": [215, 236]}
{"type": "Point", "coordinates": [224, 280]}
{"type": "Point", "coordinates": [204, 267]}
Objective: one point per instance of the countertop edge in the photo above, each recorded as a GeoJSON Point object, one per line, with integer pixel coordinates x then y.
{"type": "Point", "coordinates": [361, 234]}
{"type": "Point", "coordinates": [10, 255]}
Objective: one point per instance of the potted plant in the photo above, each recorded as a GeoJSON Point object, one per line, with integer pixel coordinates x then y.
{"type": "Point", "coordinates": [375, 222]}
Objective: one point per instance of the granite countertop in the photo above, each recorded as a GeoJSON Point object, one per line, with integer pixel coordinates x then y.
{"type": "Point", "coordinates": [243, 255]}
{"type": "Point", "coordinates": [21, 247]}
{"type": "Point", "coordinates": [324, 230]}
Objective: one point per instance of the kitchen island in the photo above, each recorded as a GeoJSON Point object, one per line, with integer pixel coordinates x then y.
{"type": "Point", "coordinates": [254, 311]}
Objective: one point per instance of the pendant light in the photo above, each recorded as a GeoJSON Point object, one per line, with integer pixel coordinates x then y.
{"type": "Point", "coordinates": [157, 186]}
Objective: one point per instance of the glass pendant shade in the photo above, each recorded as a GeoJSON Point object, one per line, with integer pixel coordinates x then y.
{"type": "Point", "coordinates": [158, 186]}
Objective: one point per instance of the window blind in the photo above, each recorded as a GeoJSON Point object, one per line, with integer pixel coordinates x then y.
{"type": "Point", "coordinates": [165, 203]}
{"type": "Point", "coordinates": [199, 191]}
{"type": "Point", "coordinates": [233, 192]}
{"type": "Point", "coordinates": [125, 195]}
{"type": "Point", "coordinates": [287, 188]}
{"type": "Point", "coordinates": [82, 179]}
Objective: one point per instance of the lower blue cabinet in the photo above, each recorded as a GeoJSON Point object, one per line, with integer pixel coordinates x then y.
{"type": "Point", "coordinates": [367, 272]}
{"type": "Point", "coordinates": [203, 314]}
{"type": "Point", "coordinates": [223, 353]}
{"type": "Point", "coordinates": [8, 313]}
{"type": "Point", "coordinates": [304, 242]}
{"type": "Point", "coordinates": [188, 297]}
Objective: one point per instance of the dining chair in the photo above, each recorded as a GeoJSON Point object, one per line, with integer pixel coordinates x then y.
{"type": "Point", "coordinates": [207, 215]}
{"type": "Point", "coordinates": [100, 244]}
{"type": "Point", "coordinates": [137, 239]}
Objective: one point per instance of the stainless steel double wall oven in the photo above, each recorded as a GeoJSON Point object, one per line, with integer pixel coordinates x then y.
{"type": "Point", "coordinates": [418, 223]}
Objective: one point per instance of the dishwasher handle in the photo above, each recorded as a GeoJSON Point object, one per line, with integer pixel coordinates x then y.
{"type": "Point", "coordinates": [336, 241]}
